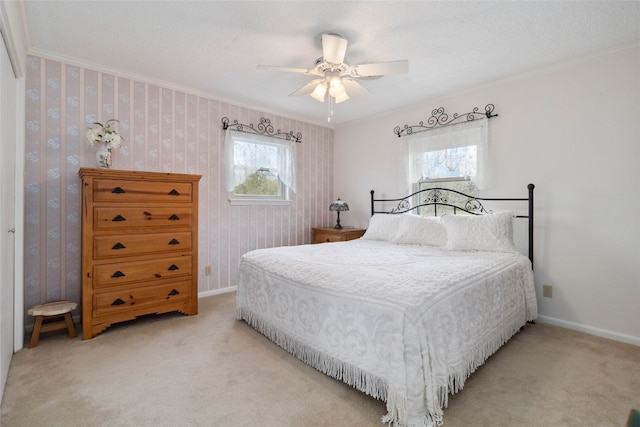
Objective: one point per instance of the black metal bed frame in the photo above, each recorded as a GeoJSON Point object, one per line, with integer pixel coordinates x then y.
{"type": "Point", "coordinates": [438, 196]}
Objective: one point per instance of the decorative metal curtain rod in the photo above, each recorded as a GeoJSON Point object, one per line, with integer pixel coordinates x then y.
{"type": "Point", "coordinates": [264, 128]}
{"type": "Point", "coordinates": [439, 118]}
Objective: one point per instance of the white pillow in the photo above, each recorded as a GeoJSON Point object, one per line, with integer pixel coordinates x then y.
{"type": "Point", "coordinates": [492, 232]}
{"type": "Point", "coordinates": [382, 227]}
{"type": "Point", "coordinates": [420, 230]}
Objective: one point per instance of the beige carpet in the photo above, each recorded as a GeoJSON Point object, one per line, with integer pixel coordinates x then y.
{"type": "Point", "coordinates": [211, 370]}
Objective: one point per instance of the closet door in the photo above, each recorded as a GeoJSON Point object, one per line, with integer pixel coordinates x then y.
{"type": "Point", "coordinates": [8, 87]}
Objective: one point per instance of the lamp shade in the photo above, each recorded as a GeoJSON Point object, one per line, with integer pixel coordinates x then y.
{"type": "Point", "coordinates": [336, 88]}
{"type": "Point", "coordinates": [319, 92]}
{"type": "Point", "coordinates": [342, 98]}
{"type": "Point", "coordinates": [339, 205]}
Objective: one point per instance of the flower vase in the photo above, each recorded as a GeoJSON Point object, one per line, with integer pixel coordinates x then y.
{"type": "Point", "coordinates": [103, 156]}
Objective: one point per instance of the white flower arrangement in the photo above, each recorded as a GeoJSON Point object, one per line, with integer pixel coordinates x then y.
{"type": "Point", "coordinates": [104, 134]}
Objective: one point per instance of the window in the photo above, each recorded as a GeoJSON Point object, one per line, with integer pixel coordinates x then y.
{"type": "Point", "coordinates": [457, 151]}
{"type": "Point", "coordinates": [259, 169]}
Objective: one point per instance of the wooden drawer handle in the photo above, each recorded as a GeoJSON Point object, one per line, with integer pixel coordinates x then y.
{"type": "Point", "coordinates": [174, 192]}
{"type": "Point", "coordinates": [118, 302]}
{"type": "Point", "coordinates": [173, 292]}
{"type": "Point", "coordinates": [118, 274]}
{"type": "Point", "coordinates": [118, 190]}
{"type": "Point", "coordinates": [174, 217]}
{"type": "Point", "coordinates": [118, 218]}
{"type": "Point", "coordinates": [118, 246]}
{"type": "Point", "coordinates": [174, 242]}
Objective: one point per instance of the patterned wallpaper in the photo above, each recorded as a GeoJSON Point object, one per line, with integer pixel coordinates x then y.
{"type": "Point", "coordinates": [164, 130]}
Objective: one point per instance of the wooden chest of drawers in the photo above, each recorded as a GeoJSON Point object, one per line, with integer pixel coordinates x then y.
{"type": "Point", "coordinates": [324, 235]}
{"type": "Point", "coordinates": [139, 245]}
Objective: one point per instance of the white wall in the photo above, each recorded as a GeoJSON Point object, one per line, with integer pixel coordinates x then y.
{"type": "Point", "coordinates": [574, 131]}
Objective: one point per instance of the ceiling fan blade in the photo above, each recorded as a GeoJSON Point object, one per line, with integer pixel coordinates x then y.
{"type": "Point", "coordinates": [306, 89]}
{"type": "Point", "coordinates": [379, 69]}
{"type": "Point", "coordinates": [287, 69]}
{"type": "Point", "coordinates": [354, 88]}
{"type": "Point", "coordinates": [333, 48]}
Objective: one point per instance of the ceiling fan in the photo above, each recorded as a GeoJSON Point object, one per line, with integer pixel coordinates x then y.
{"type": "Point", "coordinates": [336, 79]}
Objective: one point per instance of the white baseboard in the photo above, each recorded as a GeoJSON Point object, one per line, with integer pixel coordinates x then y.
{"type": "Point", "coordinates": [616, 336]}
{"type": "Point", "coordinates": [217, 292]}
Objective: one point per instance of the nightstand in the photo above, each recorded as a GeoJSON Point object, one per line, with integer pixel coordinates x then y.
{"type": "Point", "coordinates": [324, 235]}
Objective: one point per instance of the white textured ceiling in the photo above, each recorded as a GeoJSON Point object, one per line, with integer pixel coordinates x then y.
{"type": "Point", "coordinates": [213, 47]}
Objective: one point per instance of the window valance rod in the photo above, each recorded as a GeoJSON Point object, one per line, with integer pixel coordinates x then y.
{"type": "Point", "coordinates": [439, 118]}
{"type": "Point", "coordinates": [264, 128]}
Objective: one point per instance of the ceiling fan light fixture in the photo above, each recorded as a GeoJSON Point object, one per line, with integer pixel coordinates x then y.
{"type": "Point", "coordinates": [336, 87]}
{"type": "Point", "coordinates": [319, 92]}
{"type": "Point", "coordinates": [333, 76]}
{"type": "Point", "coordinates": [341, 98]}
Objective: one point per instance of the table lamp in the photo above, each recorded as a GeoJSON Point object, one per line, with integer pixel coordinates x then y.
{"type": "Point", "coordinates": [338, 206]}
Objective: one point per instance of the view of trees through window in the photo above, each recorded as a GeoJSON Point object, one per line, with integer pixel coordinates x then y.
{"type": "Point", "coordinates": [261, 183]}
{"type": "Point", "coordinates": [256, 168]}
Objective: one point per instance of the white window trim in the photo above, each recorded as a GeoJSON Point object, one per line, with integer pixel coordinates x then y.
{"type": "Point", "coordinates": [287, 174]}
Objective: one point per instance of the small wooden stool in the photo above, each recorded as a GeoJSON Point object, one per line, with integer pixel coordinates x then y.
{"type": "Point", "coordinates": [48, 311]}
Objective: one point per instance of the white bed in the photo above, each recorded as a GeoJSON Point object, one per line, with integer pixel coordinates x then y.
{"type": "Point", "coordinates": [400, 314]}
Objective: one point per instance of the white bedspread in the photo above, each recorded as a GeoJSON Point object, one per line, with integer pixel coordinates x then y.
{"type": "Point", "coordinates": [404, 323]}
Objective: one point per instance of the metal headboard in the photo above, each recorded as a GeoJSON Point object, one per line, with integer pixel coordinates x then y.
{"type": "Point", "coordinates": [437, 196]}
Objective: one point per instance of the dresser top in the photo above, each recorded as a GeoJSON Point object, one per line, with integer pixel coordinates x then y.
{"type": "Point", "coordinates": [141, 175]}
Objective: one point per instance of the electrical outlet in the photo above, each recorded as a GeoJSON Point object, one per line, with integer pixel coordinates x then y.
{"type": "Point", "coordinates": [547, 291]}
{"type": "Point", "coordinates": [207, 270]}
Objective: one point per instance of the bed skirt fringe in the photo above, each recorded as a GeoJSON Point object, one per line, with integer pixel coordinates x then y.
{"type": "Point", "coordinates": [457, 380]}
{"type": "Point", "coordinates": [374, 386]}
{"type": "Point", "coordinates": [357, 378]}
